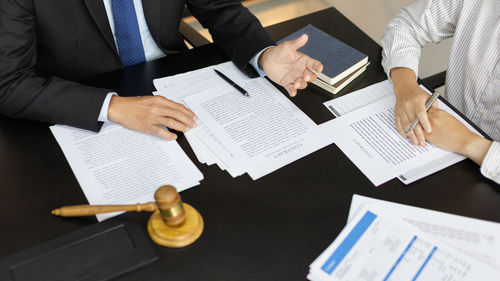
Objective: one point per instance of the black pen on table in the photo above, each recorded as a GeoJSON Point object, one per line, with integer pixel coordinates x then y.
{"type": "Point", "coordinates": [240, 89]}
{"type": "Point", "coordinates": [428, 104]}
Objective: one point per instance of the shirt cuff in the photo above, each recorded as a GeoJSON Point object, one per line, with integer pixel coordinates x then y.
{"type": "Point", "coordinates": [490, 167]}
{"type": "Point", "coordinates": [255, 62]}
{"type": "Point", "coordinates": [103, 115]}
{"type": "Point", "coordinates": [400, 61]}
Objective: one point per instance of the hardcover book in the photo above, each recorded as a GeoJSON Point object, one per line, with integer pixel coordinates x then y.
{"type": "Point", "coordinates": [339, 59]}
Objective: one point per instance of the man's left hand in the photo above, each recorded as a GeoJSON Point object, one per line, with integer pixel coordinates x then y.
{"type": "Point", "coordinates": [289, 68]}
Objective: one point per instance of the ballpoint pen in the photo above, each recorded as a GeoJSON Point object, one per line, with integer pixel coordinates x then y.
{"type": "Point", "coordinates": [428, 104]}
{"type": "Point", "coordinates": [240, 89]}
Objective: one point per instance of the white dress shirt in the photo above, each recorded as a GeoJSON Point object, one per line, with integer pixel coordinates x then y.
{"type": "Point", "coordinates": [151, 50]}
{"type": "Point", "coordinates": [472, 80]}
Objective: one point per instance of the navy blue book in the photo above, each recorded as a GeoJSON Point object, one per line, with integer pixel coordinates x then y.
{"type": "Point", "coordinates": [338, 59]}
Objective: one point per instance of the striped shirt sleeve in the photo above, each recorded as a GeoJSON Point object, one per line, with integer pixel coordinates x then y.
{"type": "Point", "coordinates": [419, 24]}
{"type": "Point", "coordinates": [490, 167]}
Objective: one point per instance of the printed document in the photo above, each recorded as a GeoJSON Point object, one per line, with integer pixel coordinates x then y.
{"type": "Point", "coordinates": [377, 245]}
{"type": "Point", "coordinates": [121, 166]}
{"type": "Point", "coordinates": [477, 238]}
{"type": "Point", "coordinates": [370, 139]}
{"type": "Point", "coordinates": [256, 130]}
{"type": "Point", "coordinates": [255, 135]}
{"type": "Point", "coordinates": [185, 84]}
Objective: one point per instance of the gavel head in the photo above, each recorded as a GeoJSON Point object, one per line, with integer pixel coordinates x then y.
{"type": "Point", "coordinates": [170, 206]}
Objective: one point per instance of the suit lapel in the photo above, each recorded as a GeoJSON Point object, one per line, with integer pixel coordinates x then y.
{"type": "Point", "coordinates": [98, 13]}
{"type": "Point", "coordinates": [152, 13]}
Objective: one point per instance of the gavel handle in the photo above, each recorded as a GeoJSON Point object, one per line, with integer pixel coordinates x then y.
{"type": "Point", "coordinates": [90, 210]}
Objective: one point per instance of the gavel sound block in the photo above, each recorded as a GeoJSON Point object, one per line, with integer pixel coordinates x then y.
{"type": "Point", "coordinates": [173, 224]}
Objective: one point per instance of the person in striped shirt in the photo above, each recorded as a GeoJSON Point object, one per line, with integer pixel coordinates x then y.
{"type": "Point", "coordinates": [472, 80]}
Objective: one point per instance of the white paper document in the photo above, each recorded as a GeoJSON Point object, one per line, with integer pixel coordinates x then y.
{"type": "Point", "coordinates": [370, 139]}
{"type": "Point", "coordinates": [185, 84]}
{"type": "Point", "coordinates": [478, 238]}
{"type": "Point", "coordinates": [258, 130]}
{"type": "Point", "coordinates": [376, 245]}
{"type": "Point", "coordinates": [374, 93]}
{"type": "Point", "coordinates": [358, 99]}
{"type": "Point", "coordinates": [256, 135]}
{"type": "Point", "coordinates": [121, 166]}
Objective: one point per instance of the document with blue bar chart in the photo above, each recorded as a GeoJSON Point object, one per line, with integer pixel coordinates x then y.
{"type": "Point", "coordinates": [377, 245]}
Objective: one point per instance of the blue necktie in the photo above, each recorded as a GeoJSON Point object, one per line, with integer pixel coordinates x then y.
{"type": "Point", "coordinates": [128, 36]}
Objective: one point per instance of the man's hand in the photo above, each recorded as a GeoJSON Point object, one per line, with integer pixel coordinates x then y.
{"type": "Point", "coordinates": [289, 68]}
{"type": "Point", "coordinates": [410, 104]}
{"type": "Point", "coordinates": [448, 133]}
{"type": "Point", "coordinates": [149, 113]}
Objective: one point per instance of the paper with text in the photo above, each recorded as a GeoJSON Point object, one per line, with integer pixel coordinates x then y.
{"type": "Point", "coordinates": [256, 130]}
{"type": "Point", "coordinates": [182, 85]}
{"type": "Point", "coordinates": [370, 139]}
{"type": "Point", "coordinates": [121, 166]}
{"type": "Point", "coordinates": [372, 94]}
{"type": "Point", "coordinates": [377, 245]}
{"type": "Point", "coordinates": [477, 238]}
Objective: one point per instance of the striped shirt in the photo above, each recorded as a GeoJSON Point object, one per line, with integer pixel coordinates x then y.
{"type": "Point", "coordinates": [473, 76]}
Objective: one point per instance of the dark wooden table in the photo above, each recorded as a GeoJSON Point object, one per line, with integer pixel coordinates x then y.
{"type": "Point", "coordinates": [269, 229]}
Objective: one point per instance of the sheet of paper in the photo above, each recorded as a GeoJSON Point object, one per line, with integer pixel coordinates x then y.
{"type": "Point", "coordinates": [192, 82]}
{"type": "Point", "coordinates": [257, 130]}
{"type": "Point", "coordinates": [321, 136]}
{"type": "Point", "coordinates": [358, 99]}
{"type": "Point", "coordinates": [370, 139]}
{"type": "Point", "coordinates": [377, 245]}
{"type": "Point", "coordinates": [374, 93]}
{"type": "Point", "coordinates": [477, 238]}
{"type": "Point", "coordinates": [120, 166]}
{"type": "Point", "coordinates": [182, 85]}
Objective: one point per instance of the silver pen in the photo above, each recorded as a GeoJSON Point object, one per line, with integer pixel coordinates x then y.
{"type": "Point", "coordinates": [428, 104]}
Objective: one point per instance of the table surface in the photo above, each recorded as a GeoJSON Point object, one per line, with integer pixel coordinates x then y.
{"type": "Point", "coordinates": [269, 229]}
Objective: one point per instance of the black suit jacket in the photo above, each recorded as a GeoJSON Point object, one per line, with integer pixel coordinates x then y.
{"type": "Point", "coordinates": [47, 44]}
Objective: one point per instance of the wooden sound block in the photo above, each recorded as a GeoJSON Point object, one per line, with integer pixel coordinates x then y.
{"type": "Point", "coordinates": [179, 236]}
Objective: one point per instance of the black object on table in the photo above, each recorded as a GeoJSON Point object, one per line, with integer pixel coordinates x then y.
{"type": "Point", "coordinates": [269, 229]}
{"type": "Point", "coordinates": [100, 251]}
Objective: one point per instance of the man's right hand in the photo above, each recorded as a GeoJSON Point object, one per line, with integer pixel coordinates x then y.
{"type": "Point", "coordinates": [410, 104]}
{"type": "Point", "coordinates": [150, 113]}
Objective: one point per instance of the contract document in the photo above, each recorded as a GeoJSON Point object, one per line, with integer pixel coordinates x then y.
{"type": "Point", "coordinates": [376, 245]}
{"type": "Point", "coordinates": [255, 135]}
{"type": "Point", "coordinates": [477, 238]}
{"type": "Point", "coordinates": [256, 130]}
{"type": "Point", "coordinates": [370, 138]}
{"type": "Point", "coordinates": [185, 84]}
{"type": "Point", "coordinates": [121, 166]}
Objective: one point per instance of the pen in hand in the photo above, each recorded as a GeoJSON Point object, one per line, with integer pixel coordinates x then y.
{"type": "Point", "coordinates": [240, 89]}
{"type": "Point", "coordinates": [428, 105]}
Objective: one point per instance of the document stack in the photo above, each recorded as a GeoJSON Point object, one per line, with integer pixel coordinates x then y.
{"type": "Point", "coordinates": [371, 141]}
{"type": "Point", "coordinates": [254, 134]}
{"type": "Point", "coordinates": [415, 244]}
{"type": "Point", "coordinates": [342, 63]}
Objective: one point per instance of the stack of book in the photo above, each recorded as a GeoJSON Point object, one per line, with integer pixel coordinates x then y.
{"type": "Point", "coordinates": [341, 63]}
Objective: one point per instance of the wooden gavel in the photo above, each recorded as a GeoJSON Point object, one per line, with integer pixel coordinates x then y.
{"type": "Point", "coordinates": [173, 223]}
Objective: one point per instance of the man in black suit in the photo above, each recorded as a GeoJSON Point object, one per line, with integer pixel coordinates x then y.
{"type": "Point", "coordinates": [45, 45]}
